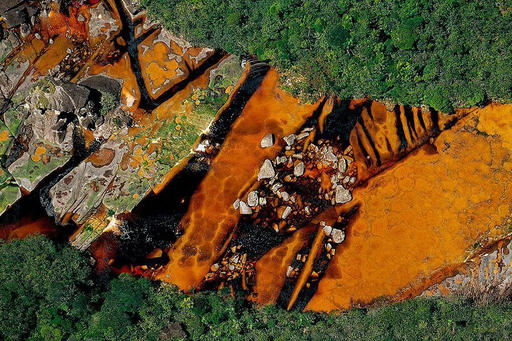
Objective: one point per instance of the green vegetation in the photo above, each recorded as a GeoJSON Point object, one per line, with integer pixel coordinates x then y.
{"type": "Point", "coordinates": [442, 53]}
{"type": "Point", "coordinates": [108, 102]}
{"type": "Point", "coordinates": [48, 292]}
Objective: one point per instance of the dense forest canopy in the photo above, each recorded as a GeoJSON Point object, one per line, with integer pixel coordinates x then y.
{"type": "Point", "coordinates": [440, 53]}
{"type": "Point", "coordinates": [49, 292]}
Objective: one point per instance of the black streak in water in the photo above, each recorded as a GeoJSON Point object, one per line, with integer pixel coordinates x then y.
{"type": "Point", "coordinates": [409, 116]}
{"type": "Point", "coordinates": [163, 211]}
{"type": "Point", "coordinates": [340, 123]}
{"type": "Point", "coordinates": [434, 114]}
{"type": "Point", "coordinates": [369, 137]}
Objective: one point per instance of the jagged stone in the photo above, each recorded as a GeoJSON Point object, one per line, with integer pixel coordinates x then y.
{"type": "Point", "coordinates": [252, 199]}
{"type": "Point", "coordinates": [342, 165]}
{"type": "Point", "coordinates": [302, 135]}
{"type": "Point", "coordinates": [281, 159]}
{"type": "Point", "coordinates": [299, 169]}
{"type": "Point", "coordinates": [285, 196]}
{"type": "Point", "coordinates": [342, 195]}
{"type": "Point", "coordinates": [290, 139]}
{"type": "Point", "coordinates": [327, 230]}
{"type": "Point", "coordinates": [266, 171]}
{"type": "Point", "coordinates": [338, 236]}
{"type": "Point", "coordinates": [244, 208]}
{"type": "Point", "coordinates": [287, 211]}
{"type": "Point", "coordinates": [267, 141]}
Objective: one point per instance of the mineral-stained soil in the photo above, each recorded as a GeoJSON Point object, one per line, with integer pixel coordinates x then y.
{"type": "Point", "coordinates": [191, 166]}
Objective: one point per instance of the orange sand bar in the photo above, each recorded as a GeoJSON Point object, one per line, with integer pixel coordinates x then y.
{"type": "Point", "coordinates": [425, 214]}
{"type": "Point", "coordinates": [211, 216]}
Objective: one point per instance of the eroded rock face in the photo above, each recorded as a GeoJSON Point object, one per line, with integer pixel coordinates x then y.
{"type": "Point", "coordinates": [42, 128]}
{"type": "Point", "coordinates": [486, 278]}
{"type": "Point", "coordinates": [83, 189]}
{"type": "Point", "coordinates": [123, 97]}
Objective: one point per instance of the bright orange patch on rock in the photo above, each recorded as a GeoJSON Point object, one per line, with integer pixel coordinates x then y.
{"type": "Point", "coordinates": [38, 153]}
{"type": "Point", "coordinates": [424, 214]}
{"type": "Point", "coordinates": [4, 135]}
{"type": "Point", "coordinates": [102, 157]}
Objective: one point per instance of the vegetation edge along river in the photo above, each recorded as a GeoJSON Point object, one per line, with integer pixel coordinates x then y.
{"type": "Point", "coordinates": [443, 54]}
{"type": "Point", "coordinates": [48, 292]}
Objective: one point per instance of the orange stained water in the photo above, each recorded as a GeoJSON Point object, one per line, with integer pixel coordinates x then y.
{"type": "Point", "coordinates": [386, 136]}
{"type": "Point", "coordinates": [27, 226]}
{"type": "Point", "coordinates": [316, 248]}
{"type": "Point", "coordinates": [211, 217]}
{"type": "Point", "coordinates": [418, 220]}
{"type": "Point", "coordinates": [272, 267]}
{"type": "Point", "coordinates": [424, 215]}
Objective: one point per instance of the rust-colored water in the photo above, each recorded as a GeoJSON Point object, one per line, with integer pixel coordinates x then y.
{"type": "Point", "coordinates": [272, 267]}
{"type": "Point", "coordinates": [424, 214]}
{"type": "Point", "coordinates": [27, 226]}
{"type": "Point", "coordinates": [211, 216]}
